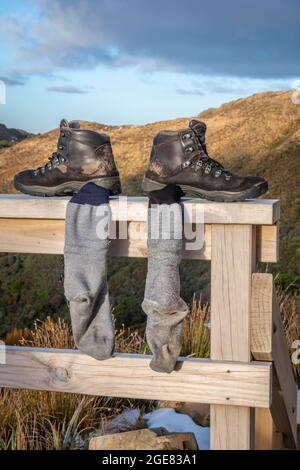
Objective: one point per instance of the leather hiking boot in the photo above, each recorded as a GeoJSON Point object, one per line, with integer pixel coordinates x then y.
{"type": "Point", "coordinates": [82, 156]}
{"type": "Point", "coordinates": [181, 158]}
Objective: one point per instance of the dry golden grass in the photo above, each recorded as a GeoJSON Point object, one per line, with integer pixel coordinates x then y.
{"type": "Point", "coordinates": [48, 420]}
{"type": "Point", "coordinates": [290, 312]}
{"type": "Point", "coordinates": [196, 335]}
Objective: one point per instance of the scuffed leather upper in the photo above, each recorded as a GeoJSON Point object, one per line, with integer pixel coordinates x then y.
{"type": "Point", "coordinates": [82, 154]}
{"type": "Point", "coordinates": [174, 157]}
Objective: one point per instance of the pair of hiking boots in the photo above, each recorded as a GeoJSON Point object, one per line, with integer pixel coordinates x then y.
{"type": "Point", "coordinates": [177, 158]}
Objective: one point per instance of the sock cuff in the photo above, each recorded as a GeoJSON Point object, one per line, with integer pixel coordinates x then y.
{"type": "Point", "coordinates": [170, 194]}
{"type": "Point", "coordinates": [91, 194]}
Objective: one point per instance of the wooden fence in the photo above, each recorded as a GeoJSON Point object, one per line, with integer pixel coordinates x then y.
{"type": "Point", "coordinates": [248, 380]}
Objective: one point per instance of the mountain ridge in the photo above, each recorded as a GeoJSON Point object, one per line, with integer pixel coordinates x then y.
{"type": "Point", "coordinates": [11, 135]}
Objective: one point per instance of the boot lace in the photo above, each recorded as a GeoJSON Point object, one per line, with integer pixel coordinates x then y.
{"type": "Point", "coordinates": [203, 161]}
{"type": "Point", "coordinates": [56, 158]}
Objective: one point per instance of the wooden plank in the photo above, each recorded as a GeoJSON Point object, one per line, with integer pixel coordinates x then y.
{"type": "Point", "coordinates": [47, 236]}
{"type": "Point", "coordinates": [129, 376]}
{"type": "Point", "coordinates": [266, 435]}
{"type": "Point", "coordinates": [231, 269]}
{"type": "Point", "coordinates": [267, 244]}
{"type": "Point", "coordinates": [254, 211]}
{"type": "Point", "coordinates": [231, 292]}
{"type": "Point", "coordinates": [279, 414]}
{"type": "Point", "coordinates": [32, 236]}
{"type": "Point", "coordinates": [268, 342]}
{"type": "Point", "coordinates": [262, 316]}
{"type": "Point", "coordinates": [298, 407]}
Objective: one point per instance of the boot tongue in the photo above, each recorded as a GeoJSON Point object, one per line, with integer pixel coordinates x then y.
{"type": "Point", "coordinates": [71, 124]}
{"type": "Point", "coordinates": [63, 123]}
{"type": "Point", "coordinates": [199, 127]}
{"type": "Point", "coordinates": [74, 124]}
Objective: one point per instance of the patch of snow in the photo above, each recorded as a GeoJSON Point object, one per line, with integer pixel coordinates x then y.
{"type": "Point", "coordinates": [176, 422]}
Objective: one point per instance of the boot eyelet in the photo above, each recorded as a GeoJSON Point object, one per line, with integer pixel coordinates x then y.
{"type": "Point", "coordinates": [61, 147]}
{"type": "Point", "coordinates": [189, 149]}
{"type": "Point", "coordinates": [185, 164]}
{"type": "Point", "coordinates": [186, 136]}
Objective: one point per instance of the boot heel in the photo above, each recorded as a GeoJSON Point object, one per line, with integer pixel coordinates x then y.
{"type": "Point", "coordinates": [112, 183]}
{"type": "Point", "coordinates": [149, 185]}
{"type": "Point", "coordinates": [116, 188]}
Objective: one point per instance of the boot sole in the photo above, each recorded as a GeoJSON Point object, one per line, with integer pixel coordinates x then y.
{"type": "Point", "coordinates": [217, 196]}
{"type": "Point", "coordinates": [69, 188]}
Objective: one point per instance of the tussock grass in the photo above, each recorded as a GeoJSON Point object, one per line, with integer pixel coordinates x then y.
{"type": "Point", "coordinates": [34, 420]}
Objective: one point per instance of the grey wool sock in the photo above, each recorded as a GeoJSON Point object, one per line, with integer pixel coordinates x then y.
{"type": "Point", "coordinates": [85, 283]}
{"type": "Point", "coordinates": [162, 303]}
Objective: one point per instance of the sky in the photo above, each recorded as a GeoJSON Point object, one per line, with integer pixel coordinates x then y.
{"type": "Point", "coordinates": [138, 61]}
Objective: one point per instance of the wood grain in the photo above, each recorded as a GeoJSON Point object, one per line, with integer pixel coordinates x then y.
{"type": "Point", "coordinates": [268, 342]}
{"type": "Point", "coordinates": [231, 269]}
{"type": "Point", "coordinates": [48, 235]}
{"type": "Point", "coordinates": [129, 376]}
{"type": "Point", "coordinates": [266, 435]}
{"type": "Point", "coordinates": [267, 243]}
{"type": "Point", "coordinates": [254, 212]}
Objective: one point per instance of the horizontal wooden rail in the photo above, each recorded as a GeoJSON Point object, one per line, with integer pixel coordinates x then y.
{"type": "Point", "coordinates": [129, 376]}
{"type": "Point", "coordinates": [134, 209]}
{"type": "Point", "coordinates": [24, 230]}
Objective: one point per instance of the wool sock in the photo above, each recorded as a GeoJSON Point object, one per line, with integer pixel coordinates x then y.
{"type": "Point", "coordinates": [85, 254]}
{"type": "Point", "coordinates": [162, 303]}
{"type": "Point", "coordinates": [170, 194]}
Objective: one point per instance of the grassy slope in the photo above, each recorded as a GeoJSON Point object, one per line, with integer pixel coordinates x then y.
{"type": "Point", "coordinates": [256, 135]}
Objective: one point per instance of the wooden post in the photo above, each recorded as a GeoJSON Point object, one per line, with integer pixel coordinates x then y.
{"type": "Point", "coordinates": [233, 248]}
{"type": "Point", "coordinates": [266, 435]}
{"type": "Point", "coordinates": [268, 343]}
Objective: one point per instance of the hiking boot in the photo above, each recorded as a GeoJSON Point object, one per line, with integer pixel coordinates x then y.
{"type": "Point", "coordinates": [82, 155]}
{"type": "Point", "coordinates": [181, 158]}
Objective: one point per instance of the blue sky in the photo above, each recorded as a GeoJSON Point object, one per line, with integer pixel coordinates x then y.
{"type": "Point", "coordinates": [137, 61]}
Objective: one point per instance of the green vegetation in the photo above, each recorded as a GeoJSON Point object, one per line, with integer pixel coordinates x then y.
{"type": "Point", "coordinates": [34, 420]}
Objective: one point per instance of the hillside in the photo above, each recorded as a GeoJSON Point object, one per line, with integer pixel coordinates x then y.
{"type": "Point", "coordinates": [256, 135]}
{"type": "Point", "coordinates": [11, 136]}
{"type": "Point", "coordinates": [245, 134]}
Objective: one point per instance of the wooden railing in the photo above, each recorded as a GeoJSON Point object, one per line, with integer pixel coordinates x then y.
{"type": "Point", "coordinates": [253, 402]}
